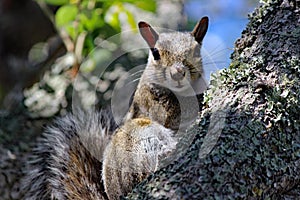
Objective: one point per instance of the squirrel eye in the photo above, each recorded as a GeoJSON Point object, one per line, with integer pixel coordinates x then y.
{"type": "Point", "coordinates": [155, 53]}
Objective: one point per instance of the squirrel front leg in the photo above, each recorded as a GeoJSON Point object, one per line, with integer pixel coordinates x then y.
{"type": "Point", "coordinates": [133, 153]}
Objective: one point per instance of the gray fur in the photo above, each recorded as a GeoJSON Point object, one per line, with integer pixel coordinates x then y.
{"type": "Point", "coordinates": [48, 175]}
{"type": "Point", "coordinates": [133, 153]}
{"type": "Point", "coordinates": [178, 43]}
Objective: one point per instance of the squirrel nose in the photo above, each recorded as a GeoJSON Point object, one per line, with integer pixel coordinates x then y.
{"type": "Point", "coordinates": [177, 73]}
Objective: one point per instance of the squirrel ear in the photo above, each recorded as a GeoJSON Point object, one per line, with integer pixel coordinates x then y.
{"type": "Point", "coordinates": [148, 33]}
{"type": "Point", "coordinates": [200, 29]}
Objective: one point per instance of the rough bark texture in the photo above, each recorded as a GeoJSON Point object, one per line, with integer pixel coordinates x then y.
{"type": "Point", "coordinates": [253, 116]}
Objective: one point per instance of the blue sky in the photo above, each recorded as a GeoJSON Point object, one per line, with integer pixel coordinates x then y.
{"type": "Point", "coordinates": [228, 18]}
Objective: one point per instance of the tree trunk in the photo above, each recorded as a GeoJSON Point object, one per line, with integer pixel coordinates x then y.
{"type": "Point", "coordinates": [247, 141]}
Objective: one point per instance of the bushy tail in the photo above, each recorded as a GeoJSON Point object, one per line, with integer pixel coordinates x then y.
{"type": "Point", "coordinates": [67, 162]}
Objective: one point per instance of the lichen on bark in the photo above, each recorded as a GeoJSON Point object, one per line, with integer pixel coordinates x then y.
{"type": "Point", "coordinates": [253, 106]}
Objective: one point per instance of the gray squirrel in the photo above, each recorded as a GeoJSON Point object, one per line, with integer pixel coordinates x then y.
{"type": "Point", "coordinates": [87, 156]}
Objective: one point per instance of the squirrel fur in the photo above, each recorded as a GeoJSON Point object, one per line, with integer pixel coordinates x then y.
{"type": "Point", "coordinates": [67, 162]}
{"type": "Point", "coordinates": [87, 156]}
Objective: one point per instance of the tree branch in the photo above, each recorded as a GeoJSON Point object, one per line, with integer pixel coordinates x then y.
{"type": "Point", "coordinates": [254, 109]}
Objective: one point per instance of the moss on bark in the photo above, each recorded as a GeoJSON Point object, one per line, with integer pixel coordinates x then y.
{"type": "Point", "coordinates": [247, 142]}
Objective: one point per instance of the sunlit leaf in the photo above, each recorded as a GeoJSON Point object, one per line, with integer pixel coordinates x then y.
{"type": "Point", "coordinates": [89, 44]}
{"type": "Point", "coordinates": [112, 17]}
{"type": "Point", "coordinates": [91, 21]}
{"type": "Point", "coordinates": [65, 15]}
{"type": "Point", "coordinates": [131, 19]}
{"type": "Point", "coordinates": [115, 22]}
{"type": "Point", "coordinates": [71, 31]}
{"type": "Point", "coordinates": [148, 5]}
{"type": "Point", "coordinates": [57, 2]}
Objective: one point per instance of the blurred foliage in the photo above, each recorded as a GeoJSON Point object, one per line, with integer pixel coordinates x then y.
{"type": "Point", "coordinates": [83, 75]}
{"type": "Point", "coordinates": [94, 18]}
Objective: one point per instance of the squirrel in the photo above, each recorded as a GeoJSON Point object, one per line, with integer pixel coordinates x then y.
{"type": "Point", "coordinates": [87, 156]}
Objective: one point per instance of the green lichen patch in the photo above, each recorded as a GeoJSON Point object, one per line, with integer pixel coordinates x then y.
{"type": "Point", "coordinates": [253, 108]}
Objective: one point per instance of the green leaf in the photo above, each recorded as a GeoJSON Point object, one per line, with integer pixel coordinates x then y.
{"type": "Point", "coordinates": [113, 19]}
{"type": "Point", "coordinates": [57, 2]}
{"type": "Point", "coordinates": [84, 20]}
{"type": "Point", "coordinates": [148, 5]}
{"type": "Point", "coordinates": [130, 19]}
{"type": "Point", "coordinates": [65, 15]}
{"type": "Point", "coordinates": [88, 44]}
{"type": "Point", "coordinates": [91, 21]}
{"type": "Point", "coordinates": [71, 31]}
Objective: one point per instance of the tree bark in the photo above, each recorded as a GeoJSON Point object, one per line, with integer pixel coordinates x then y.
{"type": "Point", "coordinates": [247, 141]}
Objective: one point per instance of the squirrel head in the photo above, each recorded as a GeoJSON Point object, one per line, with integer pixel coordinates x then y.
{"type": "Point", "coordinates": [175, 61]}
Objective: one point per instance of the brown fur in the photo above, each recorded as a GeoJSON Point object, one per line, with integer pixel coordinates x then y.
{"type": "Point", "coordinates": [133, 154]}
{"type": "Point", "coordinates": [158, 109]}
{"type": "Point", "coordinates": [62, 166]}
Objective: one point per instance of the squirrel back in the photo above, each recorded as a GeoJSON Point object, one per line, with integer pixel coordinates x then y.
{"type": "Point", "coordinates": [67, 162]}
